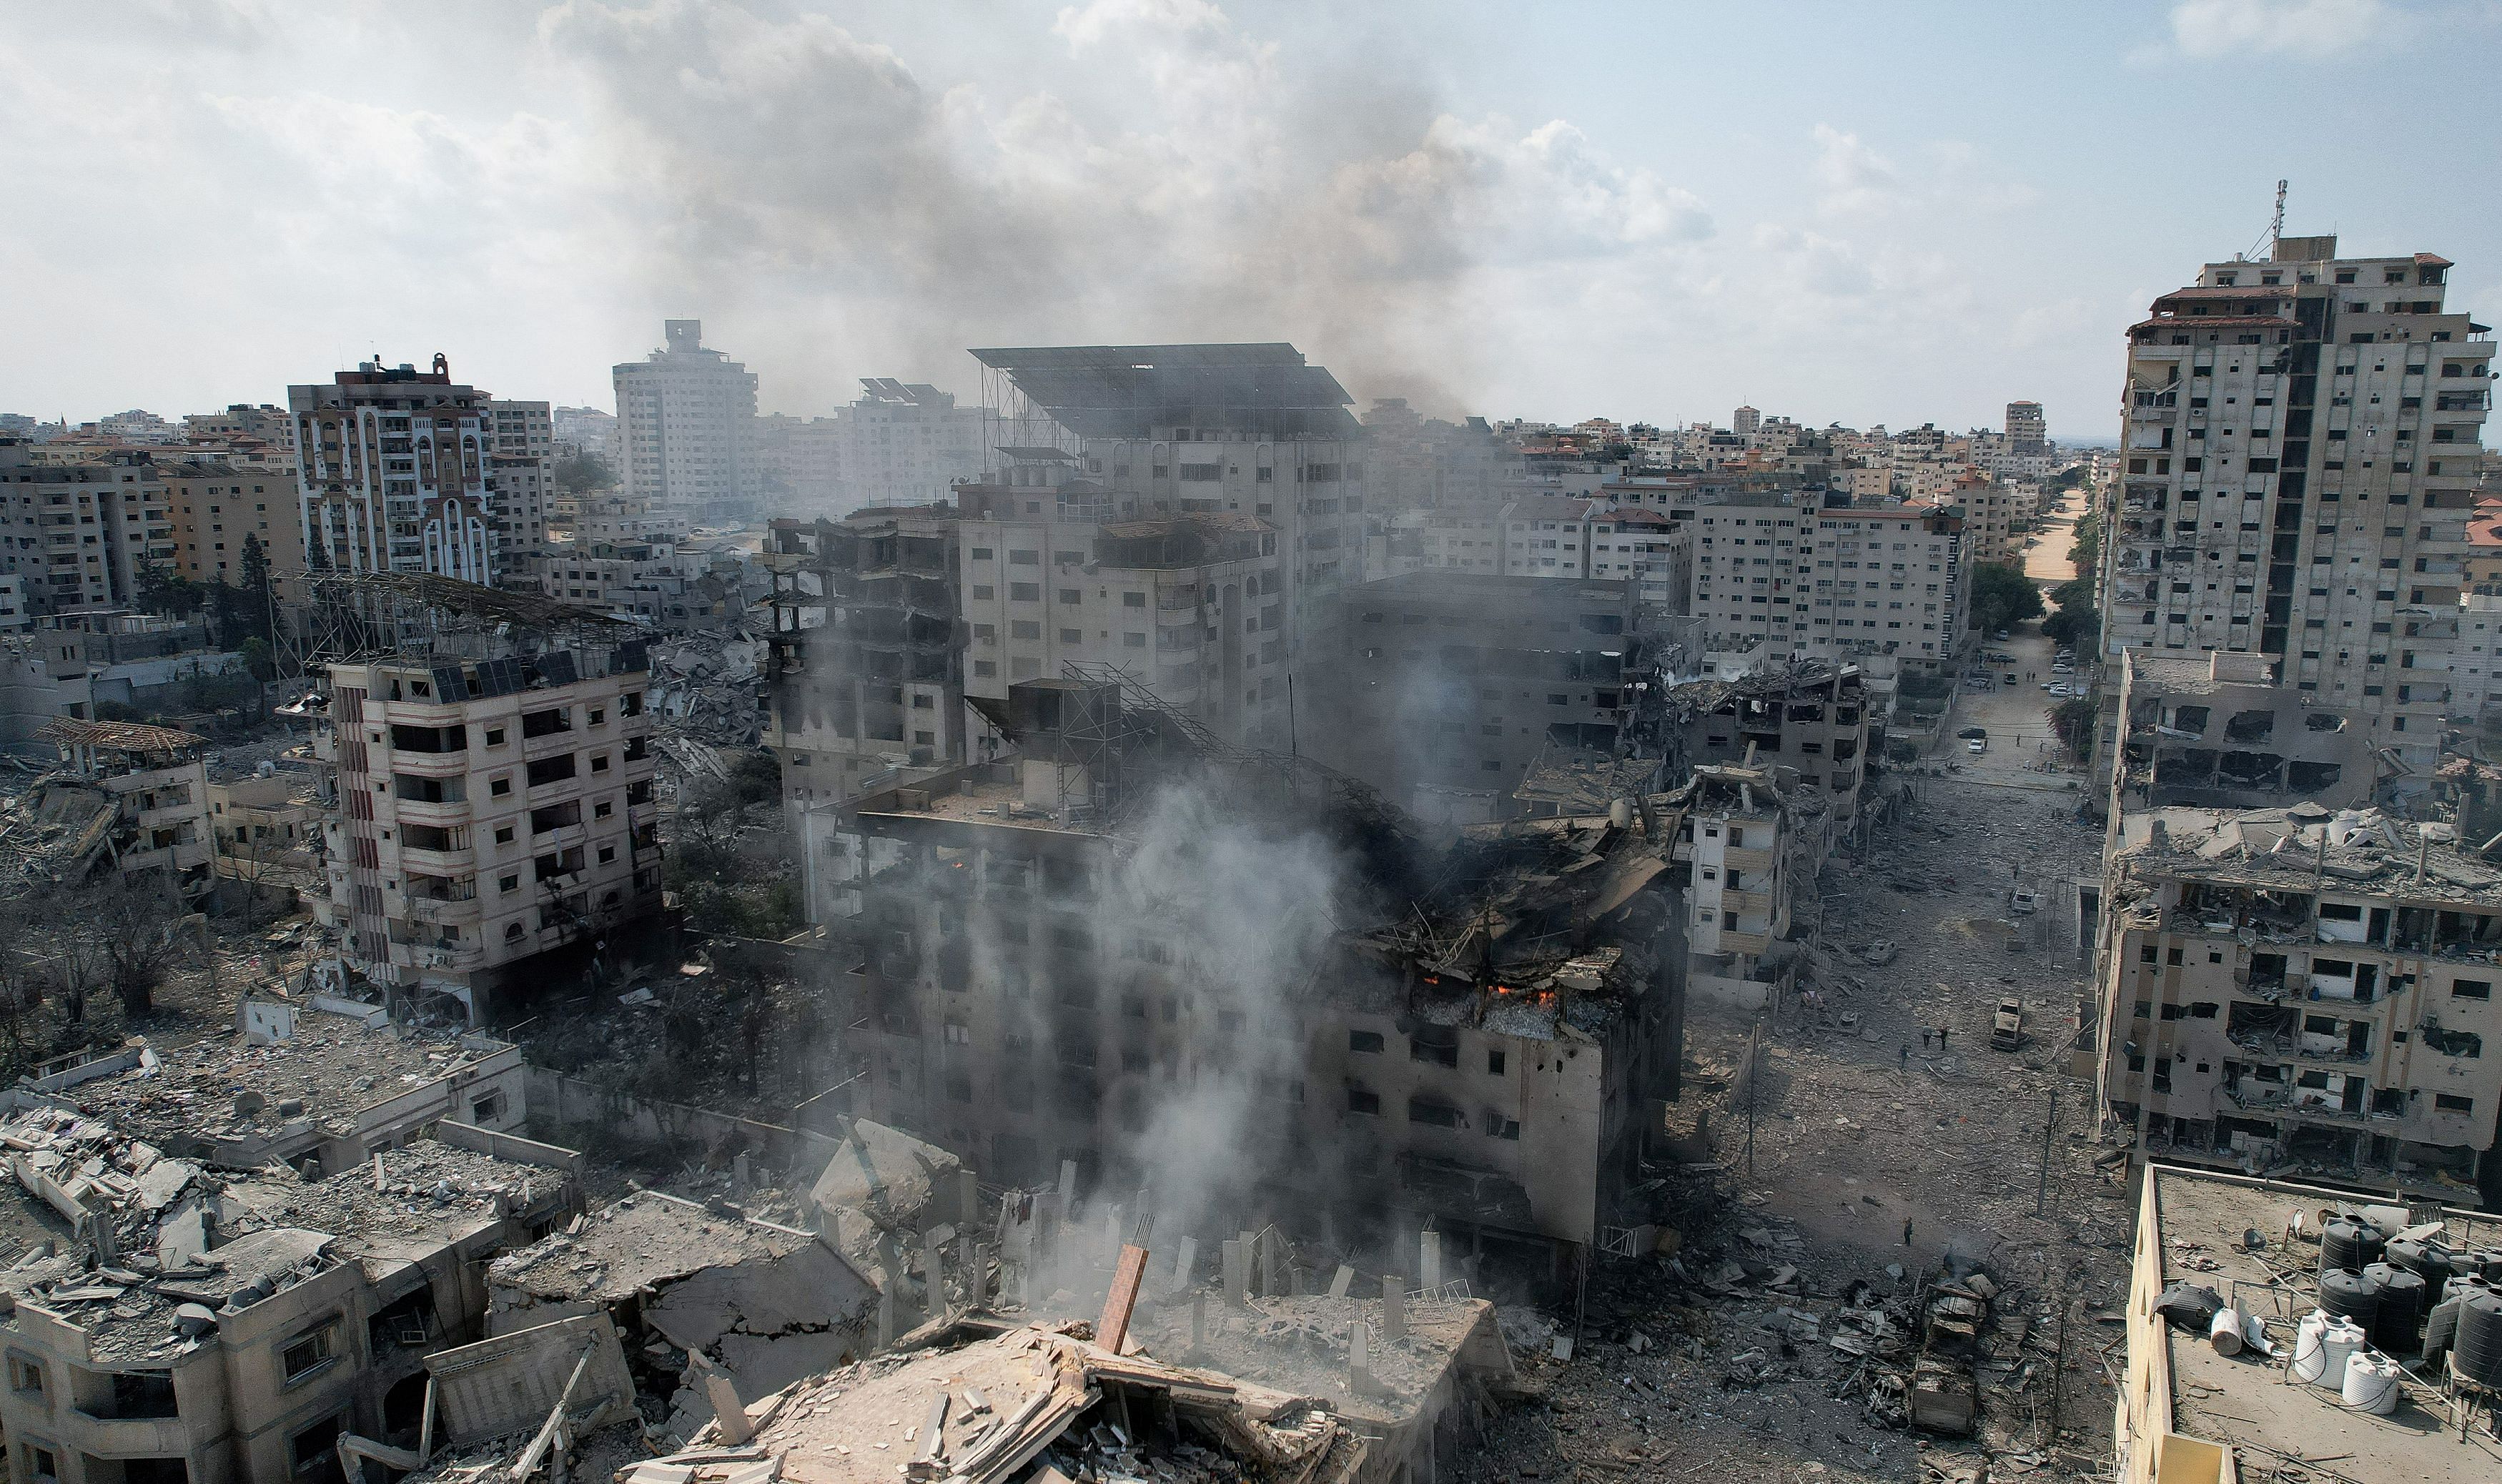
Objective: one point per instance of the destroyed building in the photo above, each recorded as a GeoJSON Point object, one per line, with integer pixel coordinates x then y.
{"type": "Point", "coordinates": [2275, 1327]}
{"type": "Point", "coordinates": [206, 1324]}
{"type": "Point", "coordinates": [1810, 718]}
{"type": "Point", "coordinates": [1741, 849]}
{"type": "Point", "coordinates": [127, 801]}
{"type": "Point", "coordinates": [1486, 1046]}
{"type": "Point", "coordinates": [2216, 732]}
{"type": "Point", "coordinates": [762, 1304]}
{"type": "Point", "coordinates": [2301, 989]}
{"type": "Point", "coordinates": [1440, 688]}
{"type": "Point", "coordinates": [494, 796]}
{"type": "Point", "coordinates": [866, 670]}
{"type": "Point", "coordinates": [316, 1086]}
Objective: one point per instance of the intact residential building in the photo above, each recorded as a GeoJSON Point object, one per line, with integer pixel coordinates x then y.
{"type": "Point", "coordinates": [907, 443]}
{"type": "Point", "coordinates": [391, 473]}
{"type": "Point", "coordinates": [1548, 537]}
{"type": "Point", "coordinates": [2302, 436]}
{"type": "Point", "coordinates": [81, 534]}
{"type": "Point", "coordinates": [215, 507]}
{"type": "Point", "coordinates": [2296, 985]}
{"type": "Point", "coordinates": [489, 812]}
{"type": "Point", "coordinates": [2026, 430]}
{"type": "Point", "coordinates": [521, 473]}
{"type": "Point", "coordinates": [686, 428]}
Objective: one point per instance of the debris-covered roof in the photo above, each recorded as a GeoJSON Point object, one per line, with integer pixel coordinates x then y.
{"type": "Point", "coordinates": [2306, 848]}
{"type": "Point", "coordinates": [120, 737]}
{"type": "Point", "coordinates": [635, 1244]}
{"type": "Point", "coordinates": [980, 1413]}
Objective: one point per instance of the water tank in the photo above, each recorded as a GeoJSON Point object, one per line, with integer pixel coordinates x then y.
{"type": "Point", "coordinates": [2418, 1259]}
{"type": "Point", "coordinates": [2349, 1295]}
{"type": "Point", "coordinates": [2339, 1343]}
{"type": "Point", "coordinates": [2347, 1244]}
{"type": "Point", "coordinates": [2371, 1383]}
{"type": "Point", "coordinates": [2440, 1326]}
{"type": "Point", "coordinates": [2462, 1285]}
{"type": "Point", "coordinates": [2309, 1365]}
{"type": "Point", "coordinates": [2404, 1297]}
{"type": "Point", "coordinates": [2480, 1338]}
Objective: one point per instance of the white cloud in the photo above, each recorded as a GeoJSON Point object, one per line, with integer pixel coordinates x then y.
{"type": "Point", "coordinates": [1855, 177]}
{"type": "Point", "coordinates": [2309, 29]}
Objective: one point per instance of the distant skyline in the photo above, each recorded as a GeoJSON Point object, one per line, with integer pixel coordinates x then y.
{"type": "Point", "coordinates": [1648, 211]}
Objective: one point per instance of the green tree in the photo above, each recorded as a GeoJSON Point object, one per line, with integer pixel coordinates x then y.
{"type": "Point", "coordinates": [2077, 622]}
{"type": "Point", "coordinates": [2003, 596]}
{"type": "Point", "coordinates": [2074, 721]}
{"type": "Point", "coordinates": [2085, 556]}
{"type": "Point", "coordinates": [260, 620]}
{"type": "Point", "coordinates": [584, 473]}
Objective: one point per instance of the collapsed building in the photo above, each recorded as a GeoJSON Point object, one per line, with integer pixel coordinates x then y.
{"type": "Point", "coordinates": [2296, 988]}
{"type": "Point", "coordinates": [203, 1323]}
{"type": "Point", "coordinates": [1093, 952]}
{"type": "Point", "coordinates": [126, 801]}
{"type": "Point", "coordinates": [1810, 718]}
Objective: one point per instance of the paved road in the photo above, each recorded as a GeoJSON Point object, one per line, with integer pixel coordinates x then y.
{"type": "Point", "coordinates": [2018, 717]}
{"type": "Point", "coordinates": [2048, 562]}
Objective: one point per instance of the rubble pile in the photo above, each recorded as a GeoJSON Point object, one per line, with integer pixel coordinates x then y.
{"type": "Point", "coordinates": [704, 687]}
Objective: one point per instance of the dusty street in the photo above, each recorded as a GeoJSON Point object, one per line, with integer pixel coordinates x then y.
{"type": "Point", "coordinates": [1861, 1124]}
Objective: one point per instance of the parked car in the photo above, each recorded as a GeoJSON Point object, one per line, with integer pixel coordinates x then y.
{"type": "Point", "coordinates": [2007, 1026]}
{"type": "Point", "coordinates": [1970, 733]}
{"type": "Point", "coordinates": [1976, 745]}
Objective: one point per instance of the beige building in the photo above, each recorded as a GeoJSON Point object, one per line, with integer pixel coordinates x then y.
{"type": "Point", "coordinates": [489, 812]}
{"type": "Point", "coordinates": [81, 533]}
{"type": "Point", "coordinates": [2190, 1414]}
{"type": "Point", "coordinates": [686, 428]}
{"type": "Point", "coordinates": [273, 820]}
{"type": "Point", "coordinates": [1191, 606]}
{"type": "Point", "coordinates": [521, 476]}
{"type": "Point", "coordinates": [2215, 733]}
{"type": "Point", "coordinates": [2301, 445]}
{"type": "Point", "coordinates": [2298, 986]}
{"type": "Point", "coordinates": [216, 506]}
{"type": "Point", "coordinates": [282, 1308]}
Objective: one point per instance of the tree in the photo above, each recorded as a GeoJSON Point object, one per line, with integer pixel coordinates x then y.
{"type": "Point", "coordinates": [2086, 554]}
{"type": "Point", "coordinates": [584, 473]}
{"type": "Point", "coordinates": [258, 620]}
{"type": "Point", "coordinates": [137, 922]}
{"type": "Point", "coordinates": [2003, 596]}
{"type": "Point", "coordinates": [2077, 622]}
{"type": "Point", "coordinates": [2074, 721]}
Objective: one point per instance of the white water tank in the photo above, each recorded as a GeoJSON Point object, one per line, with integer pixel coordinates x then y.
{"type": "Point", "coordinates": [2341, 1340]}
{"type": "Point", "coordinates": [2371, 1383]}
{"type": "Point", "coordinates": [2225, 1334]}
{"type": "Point", "coordinates": [2308, 1365]}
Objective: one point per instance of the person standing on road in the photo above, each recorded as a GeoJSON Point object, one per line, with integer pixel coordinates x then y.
{"type": "Point", "coordinates": [1907, 1059]}
{"type": "Point", "coordinates": [1906, 1232]}
{"type": "Point", "coordinates": [1941, 1040]}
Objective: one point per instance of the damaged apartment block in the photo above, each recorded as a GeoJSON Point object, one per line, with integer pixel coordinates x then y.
{"type": "Point", "coordinates": [2300, 990]}
{"type": "Point", "coordinates": [2216, 732]}
{"type": "Point", "coordinates": [494, 795]}
{"type": "Point", "coordinates": [127, 801]}
{"type": "Point", "coordinates": [209, 1314]}
{"type": "Point", "coordinates": [1480, 1034]}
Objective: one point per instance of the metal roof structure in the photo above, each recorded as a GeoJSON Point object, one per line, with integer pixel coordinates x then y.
{"type": "Point", "coordinates": [1129, 391]}
{"type": "Point", "coordinates": [118, 737]}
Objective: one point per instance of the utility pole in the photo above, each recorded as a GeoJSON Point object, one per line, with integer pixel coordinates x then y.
{"type": "Point", "coordinates": [2050, 1122]}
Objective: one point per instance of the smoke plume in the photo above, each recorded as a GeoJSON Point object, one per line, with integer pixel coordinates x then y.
{"type": "Point", "coordinates": [788, 172]}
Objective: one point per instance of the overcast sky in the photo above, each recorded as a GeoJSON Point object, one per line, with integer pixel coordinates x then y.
{"type": "Point", "coordinates": [1889, 213]}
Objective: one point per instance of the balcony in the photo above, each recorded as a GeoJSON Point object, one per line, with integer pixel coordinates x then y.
{"type": "Point", "coordinates": [133, 1437]}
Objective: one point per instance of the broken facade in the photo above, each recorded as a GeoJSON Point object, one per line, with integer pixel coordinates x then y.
{"type": "Point", "coordinates": [129, 800]}
{"type": "Point", "coordinates": [2217, 732]}
{"type": "Point", "coordinates": [2297, 989]}
{"type": "Point", "coordinates": [206, 1325]}
{"type": "Point", "coordinates": [488, 811]}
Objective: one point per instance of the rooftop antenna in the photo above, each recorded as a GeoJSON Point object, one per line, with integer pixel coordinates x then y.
{"type": "Point", "coordinates": [2276, 225]}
